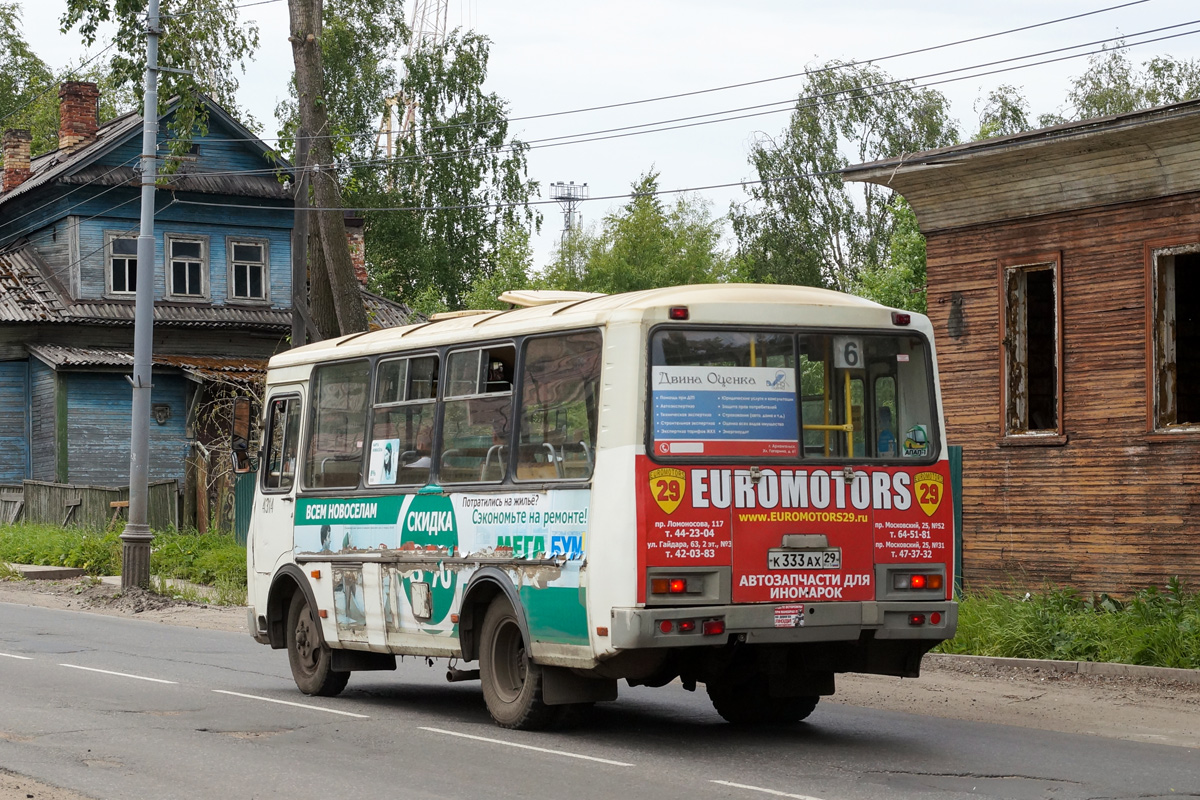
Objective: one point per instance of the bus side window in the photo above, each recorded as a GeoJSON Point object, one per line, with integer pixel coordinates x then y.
{"type": "Point", "coordinates": [477, 415]}
{"type": "Point", "coordinates": [334, 451]}
{"type": "Point", "coordinates": [283, 443]}
{"type": "Point", "coordinates": [560, 379]}
{"type": "Point", "coordinates": [402, 425]}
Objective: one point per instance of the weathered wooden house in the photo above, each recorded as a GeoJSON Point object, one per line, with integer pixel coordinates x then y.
{"type": "Point", "coordinates": [69, 223]}
{"type": "Point", "coordinates": [1064, 287]}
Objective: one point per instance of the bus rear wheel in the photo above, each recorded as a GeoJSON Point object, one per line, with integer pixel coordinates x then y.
{"type": "Point", "coordinates": [310, 658]}
{"type": "Point", "coordinates": [512, 683]}
{"type": "Point", "coordinates": [750, 702]}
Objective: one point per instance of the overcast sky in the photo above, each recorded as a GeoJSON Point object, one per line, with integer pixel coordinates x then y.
{"type": "Point", "coordinates": [551, 55]}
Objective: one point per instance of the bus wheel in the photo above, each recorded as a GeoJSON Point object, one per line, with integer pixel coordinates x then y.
{"type": "Point", "coordinates": [750, 702]}
{"type": "Point", "coordinates": [512, 683]}
{"type": "Point", "coordinates": [308, 655]}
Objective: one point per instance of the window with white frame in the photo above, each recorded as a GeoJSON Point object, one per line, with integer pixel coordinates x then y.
{"type": "Point", "coordinates": [122, 264]}
{"type": "Point", "coordinates": [1175, 287]}
{"type": "Point", "coordinates": [247, 269]}
{"type": "Point", "coordinates": [187, 267]}
{"type": "Point", "coordinates": [1032, 348]}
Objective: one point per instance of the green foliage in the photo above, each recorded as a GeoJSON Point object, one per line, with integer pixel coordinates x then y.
{"type": "Point", "coordinates": [200, 558]}
{"type": "Point", "coordinates": [97, 552]}
{"type": "Point", "coordinates": [1156, 627]}
{"type": "Point", "coordinates": [202, 48]}
{"type": "Point", "coordinates": [1004, 113]}
{"type": "Point", "coordinates": [644, 245]}
{"type": "Point", "coordinates": [27, 96]}
{"type": "Point", "coordinates": [214, 559]}
{"type": "Point", "coordinates": [464, 179]}
{"type": "Point", "coordinates": [360, 41]}
{"type": "Point", "coordinates": [1112, 84]}
{"type": "Point", "coordinates": [900, 281]}
{"type": "Point", "coordinates": [802, 224]}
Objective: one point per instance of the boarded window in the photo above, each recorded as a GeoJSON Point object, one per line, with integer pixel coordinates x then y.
{"type": "Point", "coordinates": [1031, 349]}
{"type": "Point", "coordinates": [1176, 283]}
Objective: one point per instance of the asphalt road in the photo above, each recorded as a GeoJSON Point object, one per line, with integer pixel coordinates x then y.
{"type": "Point", "coordinates": [123, 708]}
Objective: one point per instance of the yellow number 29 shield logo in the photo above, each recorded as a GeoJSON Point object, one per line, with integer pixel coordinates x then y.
{"type": "Point", "coordinates": [930, 487]}
{"type": "Point", "coordinates": [668, 485]}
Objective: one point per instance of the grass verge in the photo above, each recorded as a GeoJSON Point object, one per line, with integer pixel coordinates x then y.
{"type": "Point", "coordinates": [1156, 627]}
{"type": "Point", "coordinates": [212, 559]}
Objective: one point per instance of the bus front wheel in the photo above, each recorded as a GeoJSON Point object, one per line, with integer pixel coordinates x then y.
{"type": "Point", "coordinates": [512, 683]}
{"type": "Point", "coordinates": [749, 702]}
{"type": "Point", "coordinates": [310, 658]}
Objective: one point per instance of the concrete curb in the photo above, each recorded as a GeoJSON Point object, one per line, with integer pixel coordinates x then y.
{"type": "Point", "coordinates": [40, 573]}
{"type": "Point", "coordinates": [1078, 667]}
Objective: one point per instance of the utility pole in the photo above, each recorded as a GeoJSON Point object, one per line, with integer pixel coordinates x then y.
{"type": "Point", "coordinates": [135, 548]}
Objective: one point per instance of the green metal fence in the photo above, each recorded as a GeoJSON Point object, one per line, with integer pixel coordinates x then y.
{"type": "Point", "coordinates": [243, 505]}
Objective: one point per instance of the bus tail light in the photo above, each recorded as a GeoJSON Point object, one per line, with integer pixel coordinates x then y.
{"type": "Point", "coordinates": [916, 619]}
{"type": "Point", "coordinates": [916, 581]}
{"type": "Point", "coordinates": [687, 625]}
{"type": "Point", "coordinates": [713, 627]}
{"type": "Point", "coordinates": [900, 318]}
{"type": "Point", "coordinates": [668, 585]}
{"type": "Point", "coordinates": [678, 313]}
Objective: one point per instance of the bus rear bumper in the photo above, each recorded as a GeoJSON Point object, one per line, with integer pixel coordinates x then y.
{"type": "Point", "coordinates": [638, 628]}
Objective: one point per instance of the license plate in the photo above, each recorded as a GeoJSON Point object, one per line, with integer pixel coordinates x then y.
{"type": "Point", "coordinates": [828, 558]}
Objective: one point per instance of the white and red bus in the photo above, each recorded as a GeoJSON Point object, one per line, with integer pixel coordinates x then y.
{"type": "Point", "coordinates": [741, 486]}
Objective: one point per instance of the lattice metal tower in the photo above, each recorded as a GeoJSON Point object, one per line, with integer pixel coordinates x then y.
{"type": "Point", "coordinates": [428, 30]}
{"type": "Point", "coordinates": [569, 196]}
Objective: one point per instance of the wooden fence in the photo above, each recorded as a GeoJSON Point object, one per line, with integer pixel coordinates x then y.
{"type": "Point", "coordinates": [92, 506]}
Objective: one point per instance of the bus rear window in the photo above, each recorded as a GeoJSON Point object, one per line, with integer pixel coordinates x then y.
{"type": "Point", "coordinates": [775, 395]}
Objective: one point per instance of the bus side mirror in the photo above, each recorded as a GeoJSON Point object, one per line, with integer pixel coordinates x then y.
{"type": "Point", "coordinates": [239, 435]}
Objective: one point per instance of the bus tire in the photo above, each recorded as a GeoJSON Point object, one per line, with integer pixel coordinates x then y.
{"type": "Point", "coordinates": [310, 658]}
{"type": "Point", "coordinates": [512, 682]}
{"type": "Point", "coordinates": [749, 702]}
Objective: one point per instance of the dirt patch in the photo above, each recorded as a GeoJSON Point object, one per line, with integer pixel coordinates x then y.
{"type": "Point", "coordinates": [86, 594]}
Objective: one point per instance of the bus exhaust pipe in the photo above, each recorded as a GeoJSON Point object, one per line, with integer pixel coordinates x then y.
{"type": "Point", "coordinates": [454, 675]}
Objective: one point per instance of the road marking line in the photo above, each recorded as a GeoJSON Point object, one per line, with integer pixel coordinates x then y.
{"type": "Point", "coordinates": [529, 747]}
{"type": "Point", "coordinates": [10, 655]}
{"type": "Point", "coordinates": [118, 674]}
{"type": "Point", "coordinates": [766, 791]}
{"type": "Point", "coordinates": [290, 703]}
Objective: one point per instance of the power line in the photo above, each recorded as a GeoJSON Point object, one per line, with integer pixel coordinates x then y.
{"type": "Point", "coordinates": [891, 86]}
{"type": "Point", "coordinates": [805, 73]}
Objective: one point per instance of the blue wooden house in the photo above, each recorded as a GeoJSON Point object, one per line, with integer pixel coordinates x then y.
{"type": "Point", "coordinates": [68, 271]}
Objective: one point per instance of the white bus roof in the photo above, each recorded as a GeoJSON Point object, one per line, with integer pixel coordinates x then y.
{"type": "Point", "coordinates": [708, 303]}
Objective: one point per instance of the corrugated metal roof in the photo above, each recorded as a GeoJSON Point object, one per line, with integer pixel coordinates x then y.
{"type": "Point", "coordinates": [210, 369]}
{"type": "Point", "coordinates": [188, 179]}
{"type": "Point", "coordinates": [25, 293]}
{"type": "Point", "coordinates": [62, 166]}
{"type": "Point", "coordinates": [384, 313]}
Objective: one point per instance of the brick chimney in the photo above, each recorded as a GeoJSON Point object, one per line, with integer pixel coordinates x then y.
{"type": "Point", "coordinates": [16, 157]}
{"type": "Point", "coordinates": [357, 242]}
{"type": "Point", "coordinates": [78, 114]}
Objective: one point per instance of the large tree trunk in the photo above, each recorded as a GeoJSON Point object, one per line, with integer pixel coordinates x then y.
{"type": "Point", "coordinates": [338, 274]}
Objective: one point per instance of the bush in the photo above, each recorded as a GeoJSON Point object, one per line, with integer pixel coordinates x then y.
{"type": "Point", "coordinates": [1156, 627]}
{"type": "Point", "coordinates": [96, 552]}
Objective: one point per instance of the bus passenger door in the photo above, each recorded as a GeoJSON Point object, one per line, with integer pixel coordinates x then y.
{"type": "Point", "coordinates": [271, 532]}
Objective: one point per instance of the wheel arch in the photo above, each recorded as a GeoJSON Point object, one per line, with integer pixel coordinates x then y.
{"type": "Point", "coordinates": [486, 585]}
{"type": "Point", "coordinates": [287, 582]}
